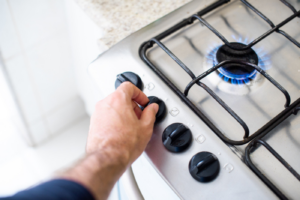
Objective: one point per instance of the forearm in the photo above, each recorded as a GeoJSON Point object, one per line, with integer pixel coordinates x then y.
{"type": "Point", "coordinates": [99, 171]}
{"type": "Point", "coordinates": [119, 132]}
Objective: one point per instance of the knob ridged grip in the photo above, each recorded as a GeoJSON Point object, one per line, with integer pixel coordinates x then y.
{"type": "Point", "coordinates": [204, 167]}
{"type": "Point", "coordinates": [177, 137]}
{"type": "Point", "coordinates": [131, 77]}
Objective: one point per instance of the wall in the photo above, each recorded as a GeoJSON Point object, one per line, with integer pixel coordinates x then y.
{"type": "Point", "coordinates": [84, 35]}
{"type": "Point", "coordinates": [37, 57]}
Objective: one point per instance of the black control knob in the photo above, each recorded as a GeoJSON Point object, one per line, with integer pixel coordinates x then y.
{"type": "Point", "coordinates": [177, 137]}
{"type": "Point", "coordinates": [131, 77]}
{"type": "Point", "coordinates": [204, 166]}
{"type": "Point", "coordinates": [162, 108]}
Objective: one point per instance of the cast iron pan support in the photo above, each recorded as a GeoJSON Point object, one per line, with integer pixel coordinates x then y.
{"type": "Point", "coordinates": [292, 109]}
{"type": "Point", "coordinates": [267, 76]}
{"type": "Point", "coordinates": [251, 44]}
{"type": "Point", "coordinates": [147, 45]}
{"type": "Point", "coordinates": [271, 23]}
{"type": "Point", "coordinates": [258, 135]}
{"type": "Point", "coordinates": [207, 89]}
{"type": "Point", "coordinates": [184, 98]}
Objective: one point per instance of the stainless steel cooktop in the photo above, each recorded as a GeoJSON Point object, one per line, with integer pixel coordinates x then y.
{"type": "Point", "coordinates": [252, 97]}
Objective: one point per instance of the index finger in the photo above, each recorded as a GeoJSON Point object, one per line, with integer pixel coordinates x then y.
{"type": "Point", "coordinates": [134, 93]}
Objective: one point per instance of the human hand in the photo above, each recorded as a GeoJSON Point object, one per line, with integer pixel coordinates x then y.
{"type": "Point", "coordinates": [119, 132]}
{"type": "Point", "coordinates": [119, 126]}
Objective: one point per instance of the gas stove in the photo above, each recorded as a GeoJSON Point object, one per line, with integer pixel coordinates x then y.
{"type": "Point", "coordinates": [227, 74]}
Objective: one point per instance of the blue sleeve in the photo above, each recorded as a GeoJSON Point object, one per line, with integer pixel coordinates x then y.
{"type": "Point", "coordinates": [58, 189]}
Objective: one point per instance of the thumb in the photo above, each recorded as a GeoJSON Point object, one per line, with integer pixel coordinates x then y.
{"type": "Point", "coordinates": [148, 114]}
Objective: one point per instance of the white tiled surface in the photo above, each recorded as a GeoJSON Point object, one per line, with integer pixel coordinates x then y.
{"type": "Point", "coordinates": [22, 166]}
{"type": "Point", "coordinates": [35, 46]}
{"type": "Point", "coordinates": [38, 131]}
{"type": "Point", "coordinates": [14, 177]}
{"type": "Point", "coordinates": [59, 118]}
{"type": "Point", "coordinates": [11, 144]}
{"type": "Point", "coordinates": [34, 43]}
{"type": "Point", "coordinates": [51, 66]}
{"type": "Point", "coordinates": [23, 87]}
{"type": "Point", "coordinates": [37, 20]}
{"type": "Point", "coordinates": [8, 35]}
{"type": "Point", "coordinates": [84, 34]}
{"type": "Point", "coordinates": [26, 166]}
{"type": "Point", "coordinates": [65, 149]}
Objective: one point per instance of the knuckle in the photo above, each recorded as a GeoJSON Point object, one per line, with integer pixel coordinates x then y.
{"type": "Point", "coordinates": [121, 94]}
{"type": "Point", "coordinates": [126, 85]}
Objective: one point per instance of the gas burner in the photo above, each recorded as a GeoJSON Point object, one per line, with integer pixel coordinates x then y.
{"type": "Point", "coordinates": [236, 73]}
{"type": "Point", "coordinates": [232, 78]}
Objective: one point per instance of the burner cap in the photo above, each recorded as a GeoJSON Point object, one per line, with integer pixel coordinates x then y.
{"type": "Point", "coordinates": [236, 72]}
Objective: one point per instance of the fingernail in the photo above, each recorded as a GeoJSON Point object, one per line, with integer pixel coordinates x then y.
{"type": "Point", "coordinates": [155, 107]}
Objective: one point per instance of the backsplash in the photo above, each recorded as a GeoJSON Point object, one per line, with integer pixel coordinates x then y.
{"type": "Point", "coordinates": [36, 51]}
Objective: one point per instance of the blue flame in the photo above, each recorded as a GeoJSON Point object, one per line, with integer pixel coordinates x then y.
{"type": "Point", "coordinates": [263, 58]}
{"type": "Point", "coordinates": [263, 63]}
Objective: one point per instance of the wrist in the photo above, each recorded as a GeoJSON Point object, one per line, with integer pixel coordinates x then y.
{"type": "Point", "coordinates": [99, 171]}
{"type": "Point", "coordinates": [113, 157]}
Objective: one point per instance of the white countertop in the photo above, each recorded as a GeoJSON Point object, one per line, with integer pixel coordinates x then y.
{"type": "Point", "coordinates": [120, 18]}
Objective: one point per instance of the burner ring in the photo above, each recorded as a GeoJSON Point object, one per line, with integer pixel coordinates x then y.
{"type": "Point", "coordinates": [237, 72]}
